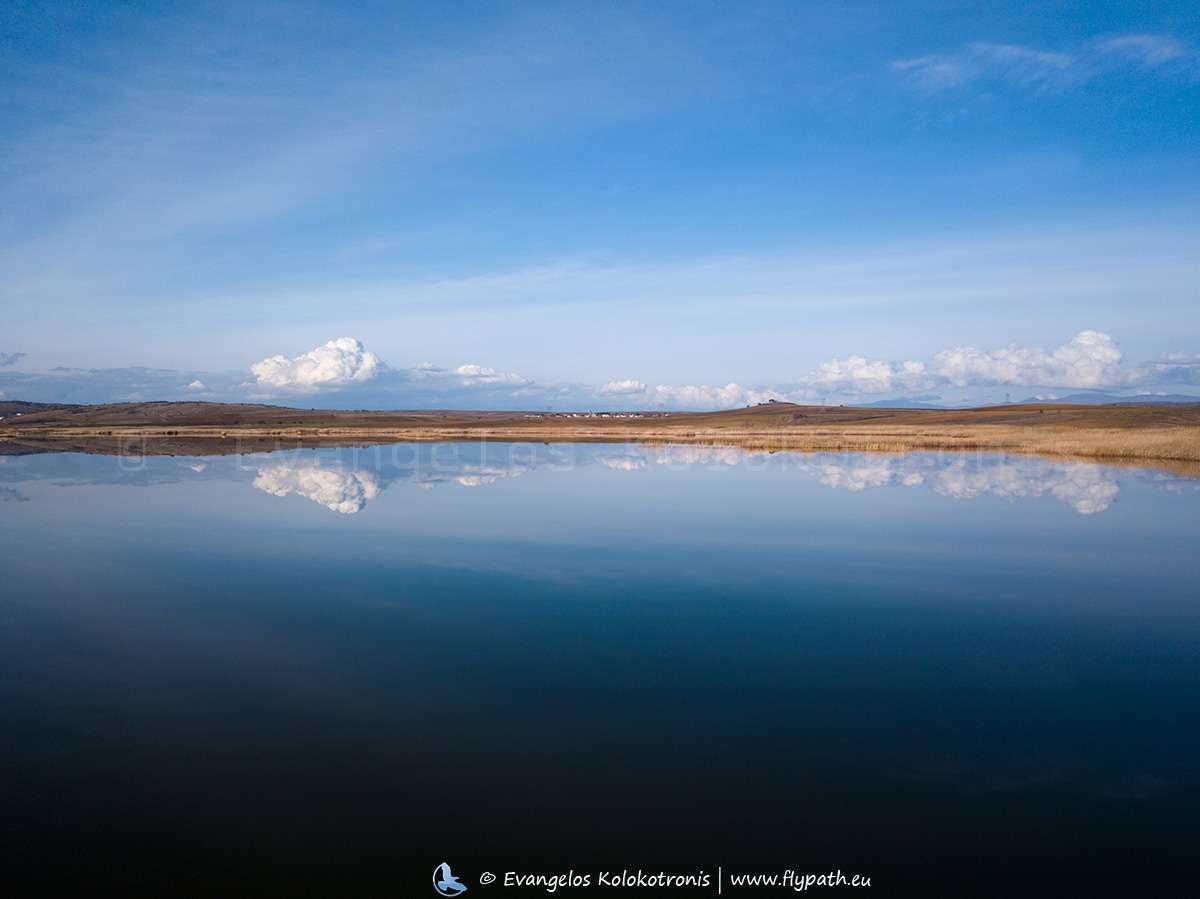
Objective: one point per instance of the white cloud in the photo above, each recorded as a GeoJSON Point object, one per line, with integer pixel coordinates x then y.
{"type": "Point", "coordinates": [978, 59]}
{"type": "Point", "coordinates": [1173, 368]}
{"type": "Point", "coordinates": [857, 374]}
{"type": "Point", "coordinates": [7, 359]}
{"type": "Point", "coordinates": [623, 388]}
{"type": "Point", "coordinates": [472, 375]}
{"type": "Point", "coordinates": [704, 397]}
{"type": "Point", "coordinates": [1034, 67]}
{"type": "Point", "coordinates": [1090, 359]}
{"type": "Point", "coordinates": [335, 364]}
{"type": "Point", "coordinates": [1145, 49]}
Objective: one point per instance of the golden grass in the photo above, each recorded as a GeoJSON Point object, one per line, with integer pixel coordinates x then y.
{"type": "Point", "coordinates": [1179, 443]}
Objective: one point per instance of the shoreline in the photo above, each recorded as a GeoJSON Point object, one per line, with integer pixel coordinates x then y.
{"type": "Point", "coordinates": [1153, 435]}
{"type": "Point", "coordinates": [1147, 445]}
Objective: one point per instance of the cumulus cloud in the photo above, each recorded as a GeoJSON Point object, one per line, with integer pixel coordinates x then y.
{"type": "Point", "coordinates": [349, 376]}
{"type": "Point", "coordinates": [7, 359]}
{"type": "Point", "coordinates": [482, 375]}
{"type": "Point", "coordinates": [623, 388]}
{"type": "Point", "coordinates": [704, 397]}
{"type": "Point", "coordinates": [1173, 368]}
{"type": "Point", "coordinates": [338, 363]}
{"type": "Point", "coordinates": [689, 396]}
{"type": "Point", "coordinates": [1090, 359]}
{"type": "Point", "coordinates": [857, 374]}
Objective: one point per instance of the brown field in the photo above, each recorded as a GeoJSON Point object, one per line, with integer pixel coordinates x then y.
{"type": "Point", "coordinates": [1151, 434]}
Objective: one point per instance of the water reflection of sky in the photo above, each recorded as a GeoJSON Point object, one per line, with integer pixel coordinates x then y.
{"type": "Point", "coordinates": [839, 647]}
{"type": "Point", "coordinates": [346, 480]}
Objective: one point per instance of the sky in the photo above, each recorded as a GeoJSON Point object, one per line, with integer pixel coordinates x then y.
{"type": "Point", "coordinates": [598, 205]}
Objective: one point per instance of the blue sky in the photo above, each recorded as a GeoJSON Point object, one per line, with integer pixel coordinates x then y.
{"type": "Point", "coordinates": [601, 205]}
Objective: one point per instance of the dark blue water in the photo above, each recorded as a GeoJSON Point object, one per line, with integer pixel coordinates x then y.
{"type": "Point", "coordinates": [325, 672]}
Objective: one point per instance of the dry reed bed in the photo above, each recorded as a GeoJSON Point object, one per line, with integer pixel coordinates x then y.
{"type": "Point", "coordinates": [1178, 443]}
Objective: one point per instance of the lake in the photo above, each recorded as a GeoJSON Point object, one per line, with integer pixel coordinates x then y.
{"type": "Point", "coordinates": [324, 672]}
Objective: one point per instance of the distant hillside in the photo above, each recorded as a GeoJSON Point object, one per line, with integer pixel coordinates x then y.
{"type": "Point", "coordinates": [1074, 399]}
{"type": "Point", "coordinates": [13, 408]}
{"type": "Point", "coordinates": [1111, 399]}
{"type": "Point", "coordinates": [226, 415]}
{"type": "Point", "coordinates": [167, 416]}
{"type": "Point", "coordinates": [1167, 433]}
{"type": "Point", "coordinates": [900, 402]}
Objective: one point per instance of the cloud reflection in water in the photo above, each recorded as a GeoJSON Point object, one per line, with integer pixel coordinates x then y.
{"type": "Point", "coordinates": [1085, 487]}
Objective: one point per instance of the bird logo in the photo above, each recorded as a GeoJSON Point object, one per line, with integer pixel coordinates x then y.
{"type": "Point", "coordinates": [445, 883]}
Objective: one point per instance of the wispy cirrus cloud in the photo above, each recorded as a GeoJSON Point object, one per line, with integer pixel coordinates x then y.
{"type": "Point", "coordinates": [1041, 68]}
{"type": "Point", "coordinates": [186, 128]}
{"type": "Point", "coordinates": [1145, 49]}
{"type": "Point", "coordinates": [979, 59]}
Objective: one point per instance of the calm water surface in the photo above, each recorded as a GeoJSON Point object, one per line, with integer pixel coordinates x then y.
{"type": "Point", "coordinates": [324, 672]}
